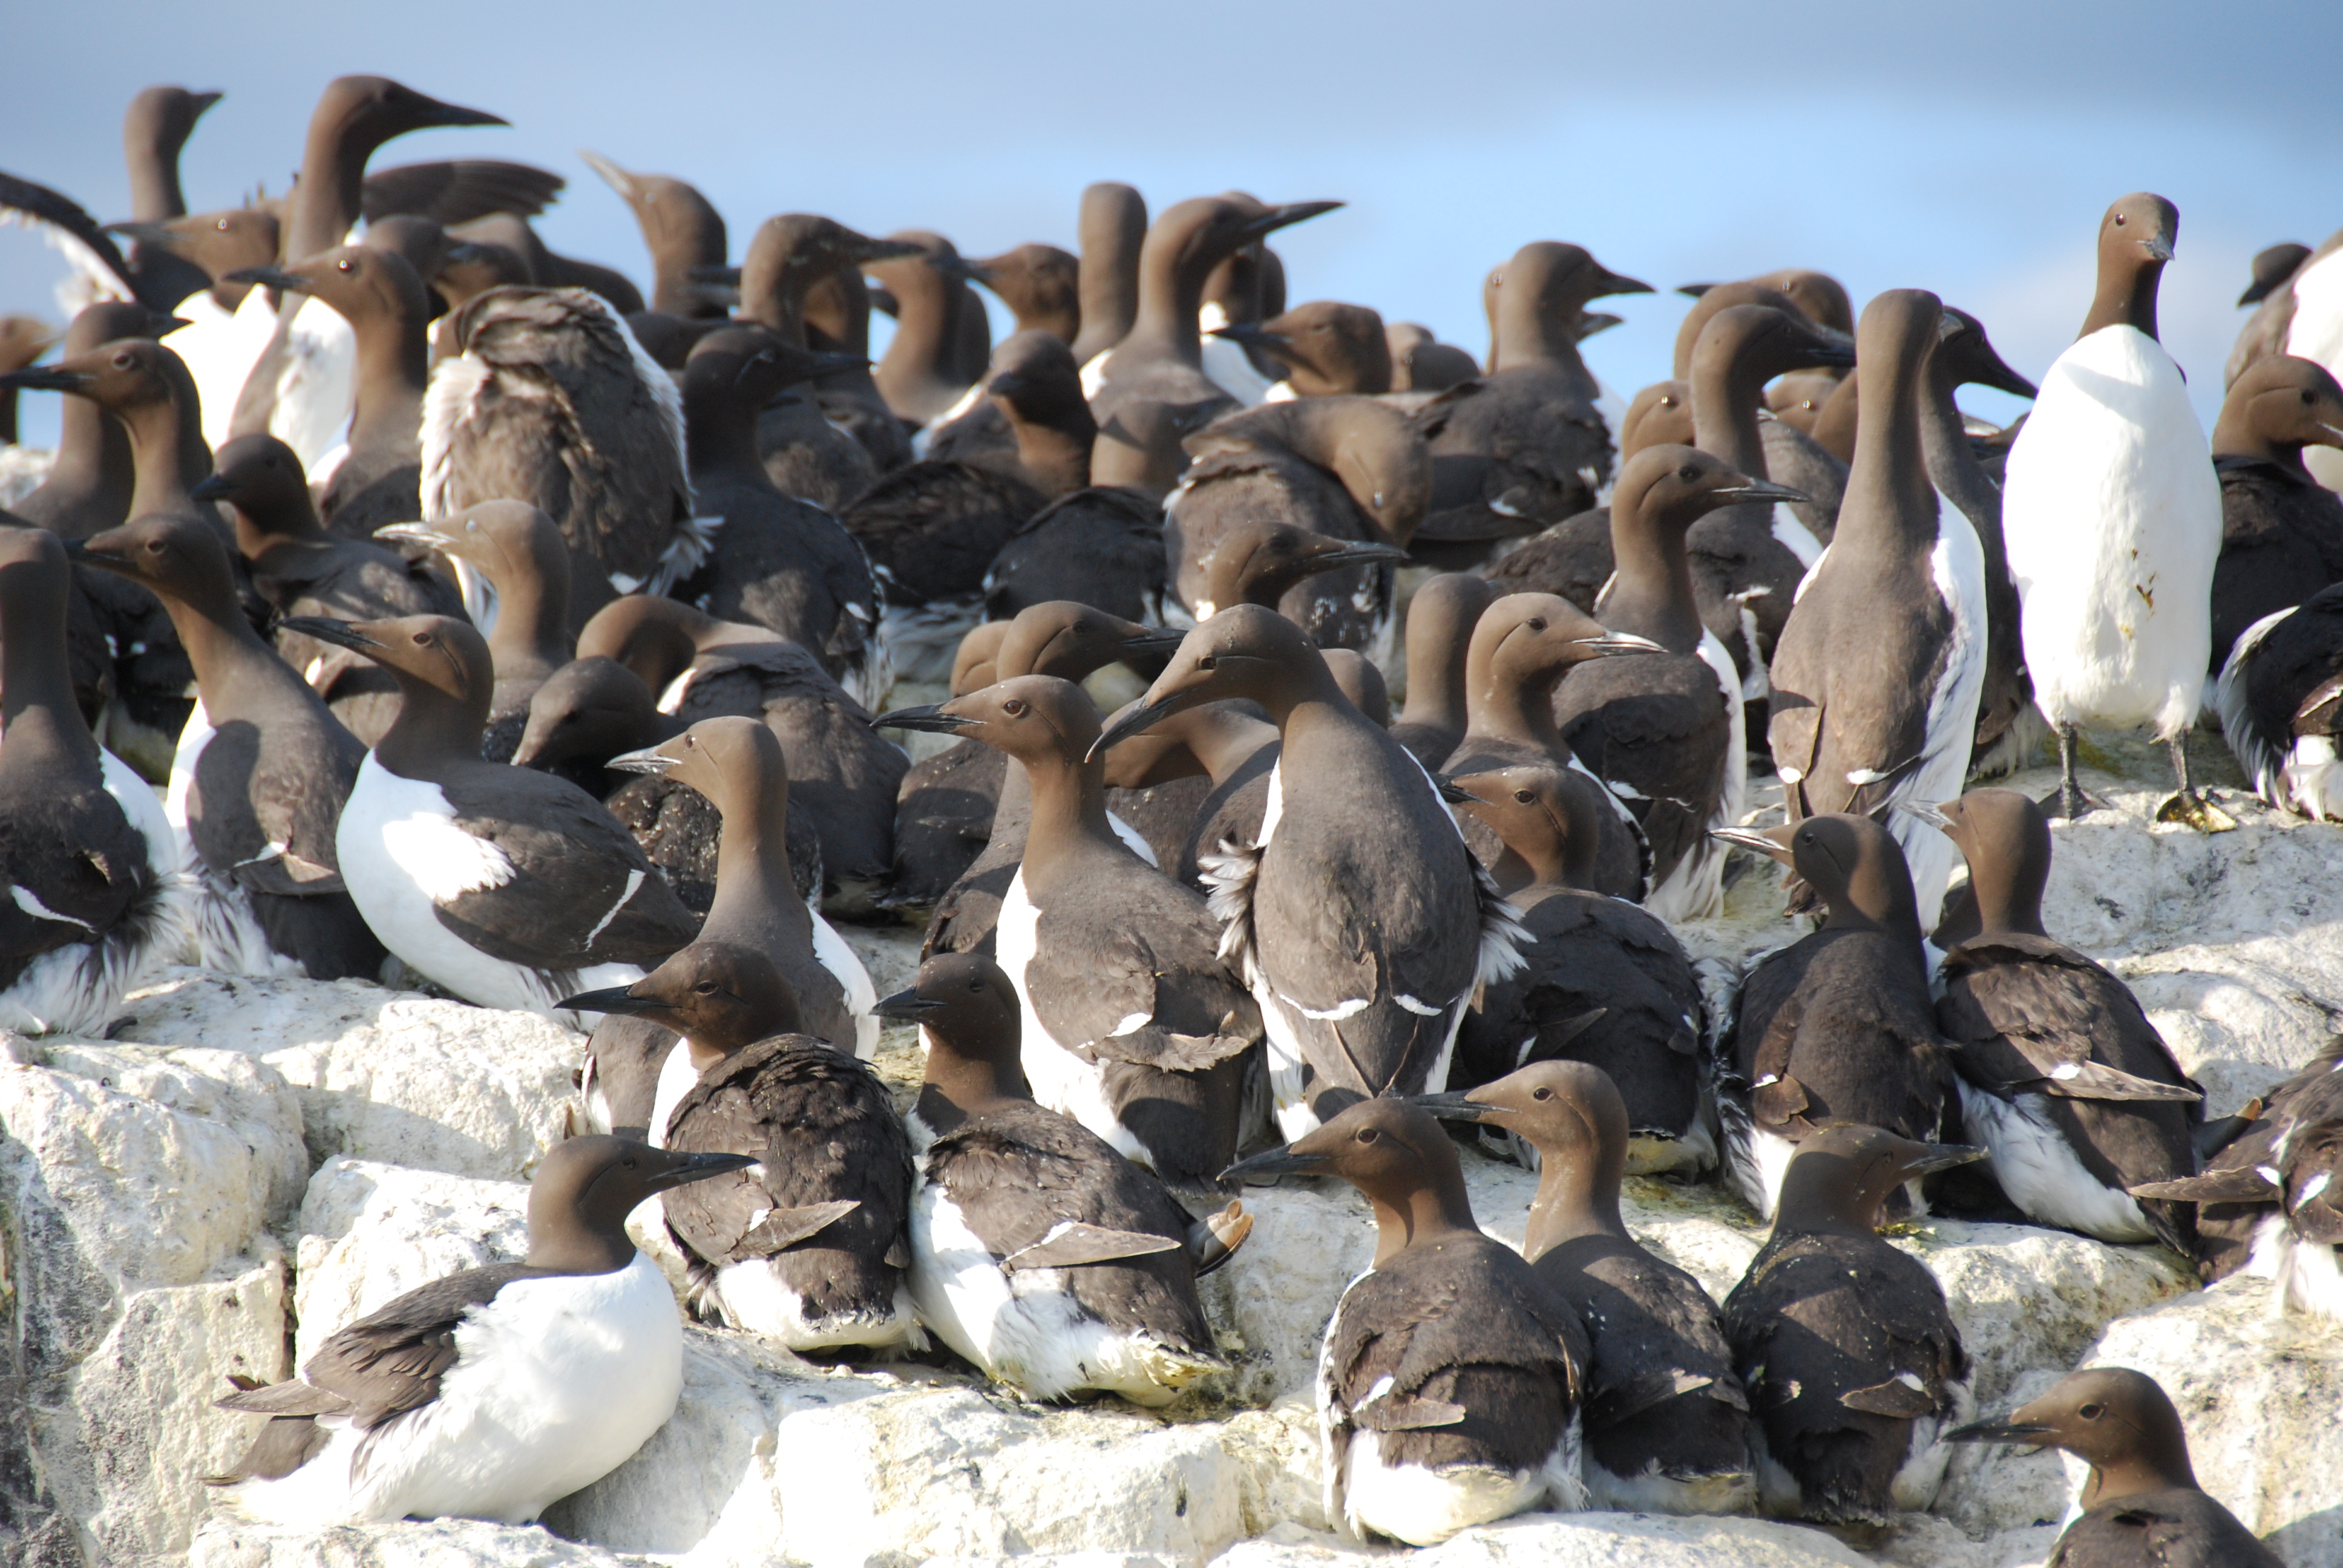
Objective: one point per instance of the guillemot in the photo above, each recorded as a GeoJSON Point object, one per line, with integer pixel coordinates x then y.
{"type": "Point", "coordinates": [551, 401]}
{"type": "Point", "coordinates": [1853, 1363]}
{"type": "Point", "coordinates": [98, 899]}
{"type": "Point", "coordinates": [1038, 1251]}
{"type": "Point", "coordinates": [1451, 1382]}
{"type": "Point", "coordinates": [1876, 674]}
{"type": "Point", "coordinates": [1440, 621]}
{"type": "Point", "coordinates": [1666, 1420]}
{"type": "Point", "coordinates": [492, 1391]}
{"type": "Point", "coordinates": [2063, 1079]}
{"type": "Point", "coordinates": [2114, 516]}
{"type": "Point", "coordinates": [806, 1246]}
{"type": "Point", "coordinates": [1837, 1027]}
{"type": "Point", "coordinates": [2281, 530]}
{"type": "Point", "coordinates": [2280, 699]}
{"type": "Point", "coordinates": [1523, 647]}
{"type": "Point", "coordinates": [261, 776]}
{"type": "Point", "coordinates": [1523, 445]}
{"type": "Point", "coordinates": [1601, 981]}
{"type": "Point", "coordinates": [1667, 733]}
{"type": "Point", "coordinates": [508, 887]}
{"type": "Point", "coordinates": [514, 570]}
{"type": "Point", "coordinates": [1358, 918]}
{"type": "Point", "coordinates": [1134, 1023]}
{"type": "Point", "coordinates": [2140, 1506]}
{"type": "Point", "coordinates": [775, 562]}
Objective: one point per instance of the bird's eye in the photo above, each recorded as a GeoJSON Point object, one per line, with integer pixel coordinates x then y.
{"type": "Point", "coordinates": [344, 265]}
{"type": "Point", "coordinates": [974, 986]}
{"type": "Point", "coordinates": [2308, 397]}
{"type": "Point", "coordinates": [2121, 220]}
{"type": "Point", "coordinates": [423, 640]}
{"type": "Point", "coordinates": [705, 987]}
{"type": "Point", "coordinates": [1208, 662]}
{"type": "Point", "coordinates": [1014, 708]}
{"type": "Point", "coordinates": [124, 360]}
{"type": "Point", "coordinates": [1524, 796]}
{"type": "Point", "coordinates": [628, 1162]}
{"type": "Point", "coordinates": [1540, 1093]}
{"type": "Point", "coordinates": [1688, 473]}
{"type": "Point", "coordinates": [691, 743]}
{"type": "Point", "coordinates": [153, 547]}
{"type": "Point", "coordinates": [2094, 1410]}
{"type": "Point", "coordinates": [1535, 623]}
{"type": "Point", "coordinates": [1368, 1135]}
{"type": "Point", "coordinates": [221, 224]}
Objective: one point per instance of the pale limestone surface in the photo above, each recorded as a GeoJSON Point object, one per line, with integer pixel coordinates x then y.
{"type": "Point", "coordinates": [154, 1197]}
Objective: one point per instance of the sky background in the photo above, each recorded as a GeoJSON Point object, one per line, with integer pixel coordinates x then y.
{"type": "Point", "coordinates": [1968, 149]}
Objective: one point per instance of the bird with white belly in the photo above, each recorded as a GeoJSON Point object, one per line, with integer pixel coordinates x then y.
{"type": "Point", "coordinates": [2113, 514]}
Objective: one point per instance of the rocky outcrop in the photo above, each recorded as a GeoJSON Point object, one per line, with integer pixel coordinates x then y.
{"type": "Point", "coordinates": [273, 1158]}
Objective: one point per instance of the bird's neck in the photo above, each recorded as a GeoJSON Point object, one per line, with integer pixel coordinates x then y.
{"type": "Point", "coordinates": [1509, 703]}
{"type": "Point", "coordinates": [958, 1087]}
{"type": "Point", "coordinates": [1577, 1197]}
{"type": "Point", "coordinates": [434, 734]}
{"type": "Point", "coordinates": [2007, 901]}
{"type": "Point", "coordinates": [169, 458]}
{"type": "Point", "coordinates": [1651, 592]}
{"type": "Point", "coordinates": [394, 357]}
{"type": "Point", "coordinates": [1435, 683]}
{"type": "Point", "coordinates": [1056, 456]}
{"type": "Point", "coordinates": [583, 1249]}
{"type": "Point", "coordinates": [927, 329]}
{"type": "Point", "coordinates": [1889, 514]}
{"type": "Point", "coordinates": [1953, 466]}
{"type": "Point", "coordinates": [755, 887]}
{"type": "Point", "coordinates": [2234, 435]}
{"type": "Point", "coordinates": [293, 523]}
{"type": "Point", "coordinates": [37, 684]}
{"type": "Point", "coordinates": [532, 624]}
{"type": "Point", "coordinates": [719, 436]}
{"type": "Point", "coordinates": [231, 663]}
{"type": "Point", "coordinates": [2126, 297]}
{"type": "Point", "coordinates": [329, 196]}
{"type": "Point", "coordinates": [155, 193]}
{"type": "Point", "coordinates": [1434, 1212]}
{"type": "Point", "coordinates": [90, 482]}
{"type": "Point", "coordinates": [2136, 1476]}
{"type": "Point", "coordinates": [1069, 816]}
{"type": "Point", "coordinates": [1724, 396]}
{"type": "Point", "coordinates": [1169, 295]}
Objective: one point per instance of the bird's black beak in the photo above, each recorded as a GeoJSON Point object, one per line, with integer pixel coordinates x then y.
{"type": "Point", "coordinates": [1361, 554]}
{"type": "Point", "coordinates": [47, 378]}
{"type": "Point", "coordinates": [905, 1007]}
{"type": "Point", "coordinates": [423, 534]}
{"type": "Point", "coordinates": [932, 719]}
{"type": "Point", "coordinates": [1694, 290]}
{"type": "Point", "coordinates": [431, 113]}
{"type": "Point", "coordinates": [1760, 490]}
{"type": "Point", "coordinates": [269, 278]}
{"type": "Point", "coordinates": [1251, 334]}
{"type": "Point", "coordinates": [1291, 213]}
{"type": "Point", "coordinates": [1275, 1162]}
{"type": "Point", "coordinates": [1151, 641]}
{"type": "Point", "coordinates": [611, 999]}
{"type": "Point", "coordinates": [155, 233]}
{"type": "Point", "coordinates": [690, 1168]}
{"type": "Point", "coordinates": [1452, 1107]}
{"type": "Point", "coordinates": [2025, 1432]}
{"type": "Point", "coordinates": [862, 250]}
{"type": "Point", "coordinates": [212, 487]}
{"type": "Point", "coordinates": [1613, 283]}
{"type": "Point", "coordinates": [324, 629]}
{"type": "Point", "coordinates": [1764, 843]}
{"type": "Point", "coordinates": [960, 269]}
{"type": "Point", "coordinates": [2158, 246]}
{"type": "Point", "coordinates": [1613, 644]}
{"type": "Point", "coordinates": [1828, 349]}
{"type": "Point", "coordinates": [1138, 721]}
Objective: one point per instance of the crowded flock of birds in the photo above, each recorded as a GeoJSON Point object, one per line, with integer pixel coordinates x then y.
{"type": "Point", "coordinates": [490, 626]}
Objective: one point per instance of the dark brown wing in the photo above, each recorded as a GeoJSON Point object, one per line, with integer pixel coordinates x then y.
{"type": "Point", "coordinates": [391, 1360]}
{"type": "Point", "coordinates": [450, 191]}
{"type": "Point", "coordinates": [571, 866]}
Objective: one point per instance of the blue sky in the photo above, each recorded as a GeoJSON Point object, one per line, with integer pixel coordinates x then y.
{"type": "Point", "coordinates": [1964, 148]}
